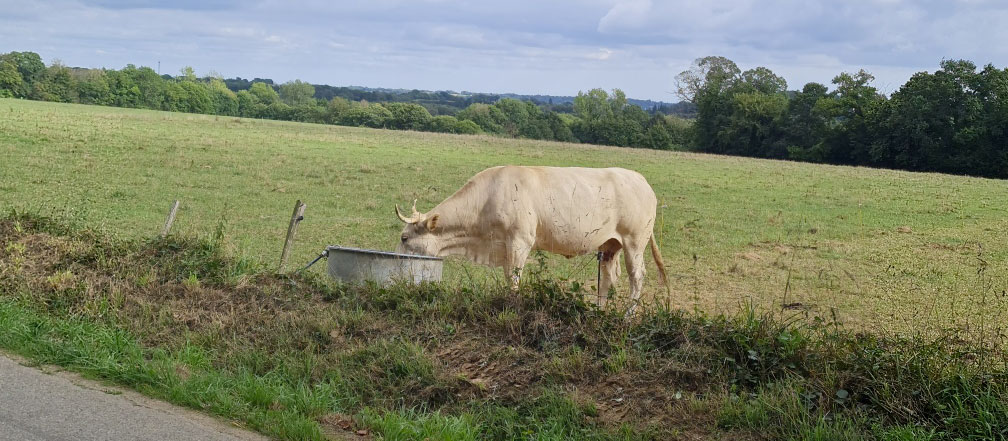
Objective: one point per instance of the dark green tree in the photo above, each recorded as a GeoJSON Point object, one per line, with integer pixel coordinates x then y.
{"type": "Point", "coordinates": [850, 112]}
{"type": "Point", "coordinates": [224, 101]}
{"type": "Point", "coordinates": [11, 83]}
{"type": "Point", "coordinates": [367, 115]}
{"type": "Point", "coordinates": [337, 107]}
{"type": "Point", "coordinates": [249, 105]}
{"type": "Point", "coordinates": [714, 74]}
{"type": "Point", "coordinates": [197, 98]}
{"type": "Point", "coordinates": [805, 123]}
{"type": "Point", "coordinates": [93, 87]}
{"type": "Point", "coordinates": [264, 93]}
{"type": "Point", "coordinates": [488, 118]}
{"type": "Point", "coordinates": [443, 124]}
{"type": "Point", "coordinates": [657, 135]}
{"type": "Point", "coordinates": [297, 93]}
{"type": "Point", "coordinates": [950, 121]}
{"type": "Point", "coordinates": [30, 68]}
{"type": "Point", "coordinates": [151, 86]}
{"type": "Point", "coordinates": [516, 118]}
{"type": "Point", "coordinates": [558, 127]}
{"type": "Point", "coordinates": [593, 106]}
{"type": "Point", "coordinates": [754, 127]}
{"type": "Point", "coordinates": [738, 113]}
{"type": "Point", "coordinates": [123, 91]}
{"type": "Point", "coordinates": [278, 110]}
{"type": "Point", "coordinates": [407, 116]}
{"type": "Point", "coordinates": [55, 84]}
{"type": "Point", "coordinates": [310, 112]}
{"type": "Point", "coordinates": [467, 127]}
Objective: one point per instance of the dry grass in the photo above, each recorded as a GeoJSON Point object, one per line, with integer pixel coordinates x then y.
{"type": "Point", "coordinates": [300, 358]}
{"type": "Point", "coordinates": [366, 335]}
{"type": "Point", "coordinates": [880, 250]}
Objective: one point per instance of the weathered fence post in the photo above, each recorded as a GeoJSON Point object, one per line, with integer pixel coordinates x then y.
{"type": "Point", "coordinates": [170, 219]}
{"type": "Point", "coordinates": [296, 218]}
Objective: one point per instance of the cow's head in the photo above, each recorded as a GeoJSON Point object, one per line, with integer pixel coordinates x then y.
{"type": "Point", "coordinates": [419, 235]}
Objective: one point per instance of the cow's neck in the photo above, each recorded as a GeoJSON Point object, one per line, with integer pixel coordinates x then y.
{"type": "Point", "coordinates": [470, 247]}
{"type": "Point", "coordinates": [455, 235]}
{"type": "Point", "coordinates": [459, 232]}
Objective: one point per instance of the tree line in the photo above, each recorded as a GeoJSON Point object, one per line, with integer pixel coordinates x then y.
{"type": "Point", "coordinates": [597, 117]}
{"type": "Point", "coordinates": [437, 103]}
{"type": "Point", "coordinates": [954, 120]}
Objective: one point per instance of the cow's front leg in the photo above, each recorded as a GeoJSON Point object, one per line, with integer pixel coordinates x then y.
{"type": "Point", "coordinates": [514, 274]}
{"type": "Point", "coordinates": [610, 276]}
{"type": "Point", "coordinates": [517, 253]}
{"type": "Point", "coordinates": [610, 269]}
{"type": "Point", "coordinates": [634, 257]}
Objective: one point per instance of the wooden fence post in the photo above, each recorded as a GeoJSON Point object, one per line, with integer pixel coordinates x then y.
{"type": "Point", "coordinates": [296, 218]}
{"type": "Point", "coordinates": [170, 219]}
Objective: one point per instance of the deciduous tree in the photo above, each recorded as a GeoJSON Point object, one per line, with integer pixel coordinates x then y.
{"type": "Point", "coordinates": [297, 93]}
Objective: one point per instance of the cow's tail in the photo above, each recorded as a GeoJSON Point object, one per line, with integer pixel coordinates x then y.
{"type": "Point", "coordinates": [656, 253]}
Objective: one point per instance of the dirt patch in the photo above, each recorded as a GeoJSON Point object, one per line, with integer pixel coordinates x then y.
{"type": "Point", "coordinates": [494, 371]}
{"type": "Point", "coordinates": [949, 247]}
{"type": "Point", "coordinates": [337, 426]}
{"type": "Point", "coordinates": [784, 249]}
{"type": "Point", "coordinates": [641, 395]}
{"type": "Point", "coordinates": [751, 256]}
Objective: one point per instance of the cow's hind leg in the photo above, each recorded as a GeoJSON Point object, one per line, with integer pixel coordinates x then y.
{"type": "Point", "coordinates": [610, 269]}
{"type": "Point", "coordinates": [634, 257]}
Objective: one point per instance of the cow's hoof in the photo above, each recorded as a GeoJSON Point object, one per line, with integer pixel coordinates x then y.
{"type": "Point", "coordinates": [631, 311]}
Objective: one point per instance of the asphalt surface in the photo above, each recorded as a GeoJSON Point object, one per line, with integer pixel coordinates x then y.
{"type": "Point", "coordinates": [36, 405]}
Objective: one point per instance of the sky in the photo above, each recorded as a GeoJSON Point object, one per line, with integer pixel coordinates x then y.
{"type": "Point", "coordinates": [556, 47]}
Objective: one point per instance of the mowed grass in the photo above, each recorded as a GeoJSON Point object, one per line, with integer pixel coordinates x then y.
{"type": "Point", "coordinates": [883, 250]}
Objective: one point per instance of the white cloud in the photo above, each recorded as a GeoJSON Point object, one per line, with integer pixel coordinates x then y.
{"type": "Point", "coordinates": [626, 15]}
{"type": "Point", "coordinates": [558, 46]}
{"type": "Point", "coordinates": [601, 54]}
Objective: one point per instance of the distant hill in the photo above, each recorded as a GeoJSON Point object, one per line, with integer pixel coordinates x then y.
{"type": "Point", "coordinates": [683, 109]}
{"type": "Point", "coordinates": [449, 102]}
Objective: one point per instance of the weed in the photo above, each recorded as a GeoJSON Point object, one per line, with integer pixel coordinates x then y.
{"type": "Point", "coordinates": [616, 362]}
{"type": "Point", "coordinates": [787, 411]}
{"type": "Point", "coordinates": [413, 425]}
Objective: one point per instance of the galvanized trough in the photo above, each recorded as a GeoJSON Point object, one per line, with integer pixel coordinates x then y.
{"type": "Point", "coordinates": [356, 265]}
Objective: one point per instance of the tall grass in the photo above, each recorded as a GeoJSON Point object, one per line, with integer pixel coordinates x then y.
{"type": "Point", "coordinates": [440, 361]}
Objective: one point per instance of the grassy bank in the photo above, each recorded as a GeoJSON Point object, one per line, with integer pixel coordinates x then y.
{"type": "Point", "coordinates": [879, 250]}
{"type": "Point", "coordinates": [299, 358]}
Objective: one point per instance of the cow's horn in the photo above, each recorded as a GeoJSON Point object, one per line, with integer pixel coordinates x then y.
{"type": "Point", "coordinates": [401, 217]}
{"type": "Point", "coordinates": [414, 217]}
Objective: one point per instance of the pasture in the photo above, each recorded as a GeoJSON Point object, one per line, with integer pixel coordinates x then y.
{"type": "Point", "coordinates": [881, 250]}
{"type": "Point", "coordinates": [783, 250]}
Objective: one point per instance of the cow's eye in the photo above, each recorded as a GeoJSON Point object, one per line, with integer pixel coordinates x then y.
{"type": "Point", "coordinates": [404, 238]}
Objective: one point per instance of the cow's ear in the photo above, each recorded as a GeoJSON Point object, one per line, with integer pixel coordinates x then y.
{"type": "Point", "coordinates": [432, 222]}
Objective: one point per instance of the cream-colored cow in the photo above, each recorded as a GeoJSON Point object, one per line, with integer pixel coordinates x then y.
{"type": "Point", "coordinates": [503, 213]}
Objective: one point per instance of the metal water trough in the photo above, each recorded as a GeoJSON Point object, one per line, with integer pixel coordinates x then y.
{"type": "Point", "coordinates": [358, 265]}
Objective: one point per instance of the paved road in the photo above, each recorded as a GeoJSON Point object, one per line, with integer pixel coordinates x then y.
{"type": "Point", "coordinates": [40, 406]}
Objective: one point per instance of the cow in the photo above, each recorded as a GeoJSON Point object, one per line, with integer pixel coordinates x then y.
{"type": "Point", "coordinates": [504, 213]}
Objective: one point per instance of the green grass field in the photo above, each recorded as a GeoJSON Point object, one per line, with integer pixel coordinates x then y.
{"type": "Point", "coordinates": [882, 250]}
